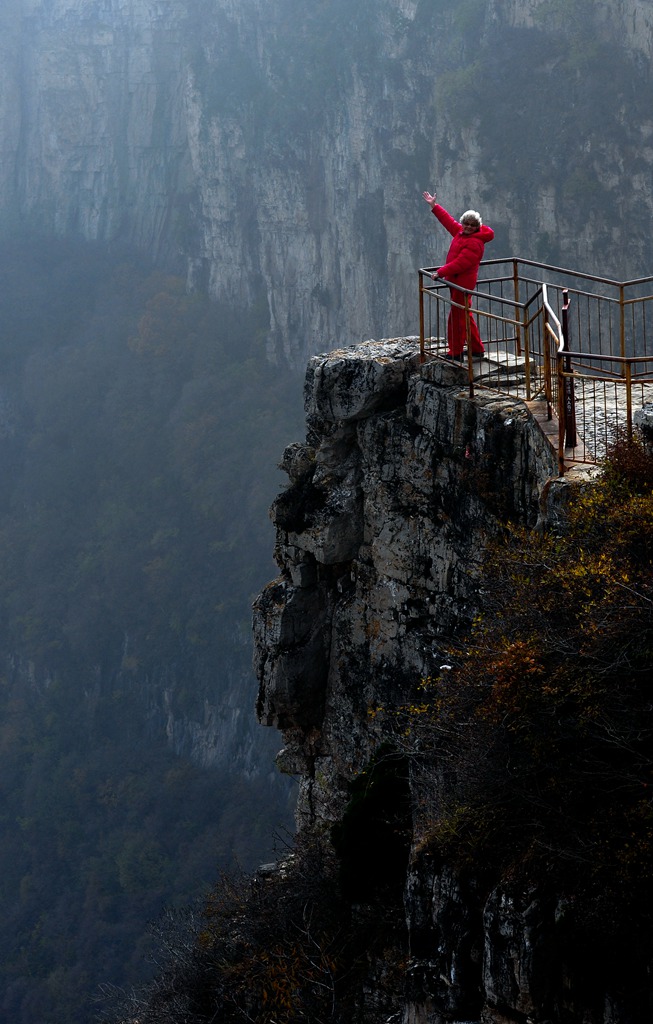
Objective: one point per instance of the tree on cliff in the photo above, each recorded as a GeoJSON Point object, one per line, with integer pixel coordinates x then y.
{"type": "Point", "coordinates": [531, 763]}
{"type": "Point", "coordinates": [281, 946]}
{"type": "Point", "coordinates": [533, 754]}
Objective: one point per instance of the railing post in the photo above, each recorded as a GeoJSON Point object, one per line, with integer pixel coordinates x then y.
{"type": "Point", "coordinates": [421, 317]}
{"type": "Point", "coordinates": [561, 415]}
{"type": "Point", "coordinates": [515, 286]}
{"type": "Point", "coordinates": [548, 373]}
{"type": "Point", "coordinates": [468, 337]}
{"type": "Point", "coordinates": [629, 368]}
{"type": "Point", "coordinates": [629, 400]}
{"type": "Point", "coordinates": [527, 355]}
{"type": "Point", "coordinates": [569, 404]}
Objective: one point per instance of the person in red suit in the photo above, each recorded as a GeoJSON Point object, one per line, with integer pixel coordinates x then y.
{"type": "Point", "coordinates": [461, 268]}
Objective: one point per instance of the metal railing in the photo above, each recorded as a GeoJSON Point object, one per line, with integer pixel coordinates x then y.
{"type": "Point", "coordinates": [580, 344]}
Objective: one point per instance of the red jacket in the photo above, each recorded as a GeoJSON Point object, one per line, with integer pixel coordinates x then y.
{"type": "Point", "coordinates": [465, 252]}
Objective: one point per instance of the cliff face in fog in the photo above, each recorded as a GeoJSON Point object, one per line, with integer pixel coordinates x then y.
{"type": "Point", "coordinates": [278, 153]}
{"type": "Point", "coordinates": [94, 141]}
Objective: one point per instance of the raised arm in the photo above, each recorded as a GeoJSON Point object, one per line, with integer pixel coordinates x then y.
{"type": "Point", "coordinates": [447, 221]}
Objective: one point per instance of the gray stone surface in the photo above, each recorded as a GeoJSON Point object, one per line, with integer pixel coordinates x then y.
{"type": "Point", "coordinates": [380, 535]}
{"type": "Point", "coordinates": [380, 538]}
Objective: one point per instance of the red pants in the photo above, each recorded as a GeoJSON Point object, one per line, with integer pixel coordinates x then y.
{"type": "Point", "coordinates": [457, 331]}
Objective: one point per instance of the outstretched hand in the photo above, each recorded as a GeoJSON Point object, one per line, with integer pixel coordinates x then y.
{"type": "Point", "coordinates": [430, 199]}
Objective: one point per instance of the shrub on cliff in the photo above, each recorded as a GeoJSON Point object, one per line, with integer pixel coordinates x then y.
{"type": "Point", "coordinates": [533, 756]}
{"type": "Point", "coordinates": [278, 946]}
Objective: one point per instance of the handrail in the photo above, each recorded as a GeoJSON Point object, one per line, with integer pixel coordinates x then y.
{"type": "Point", "coordinates": [442, 283]}
{"type": "Point", "coordinates": [610, 347]}
{"type": "Point", "coordinates": [552, 316]}
{"type": "Point", "coordinates": [551, 268]}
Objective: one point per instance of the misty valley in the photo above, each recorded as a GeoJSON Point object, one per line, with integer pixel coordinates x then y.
{"type": "Point", "coordinates": [140, 436]}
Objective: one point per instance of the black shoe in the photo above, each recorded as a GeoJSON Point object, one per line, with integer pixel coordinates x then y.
{"type": "Point", "coordinates": [452, 358]}
{"type": "Point", "coordinates": [478, 355]}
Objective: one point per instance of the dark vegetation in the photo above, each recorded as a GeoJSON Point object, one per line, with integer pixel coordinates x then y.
{"type": "Point", "coordinates": [533, 751]}
{"type": "Point", "coordinates": [283, 947]}
{"type": "Point", "coordinates": [372, 841]}
{"type": "Point", "coordinates": [139, 434]}
{"type": "Point", "coordinates": [531, 763]}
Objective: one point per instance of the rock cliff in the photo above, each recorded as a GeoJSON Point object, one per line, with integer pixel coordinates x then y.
{"type": "Point", "coordinates": [392, 498]}
{"type": "Point", "coordinates": [278, 152]}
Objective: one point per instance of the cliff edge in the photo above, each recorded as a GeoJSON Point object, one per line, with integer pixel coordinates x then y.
{"type": "Point", "coordinates": [392, 499]}
{"type": "Point", "coordinates": [493, 867]}
{"type": "Point", "coordinates": [401, 482]}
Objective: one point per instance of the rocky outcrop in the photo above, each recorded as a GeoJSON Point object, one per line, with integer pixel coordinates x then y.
{"type": "Point", "coordinates": [392, 498]}
{"type": "Point", "coordinates": [398, 488]}
{"type": "Point", "coordinates": [502, 955]}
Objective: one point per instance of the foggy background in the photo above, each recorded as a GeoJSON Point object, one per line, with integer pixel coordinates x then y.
{"type": "Point", "coordinates": [196, 195]}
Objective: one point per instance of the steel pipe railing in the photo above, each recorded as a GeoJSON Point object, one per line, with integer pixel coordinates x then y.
{"type": "Point", "coordinates": [603, 344]}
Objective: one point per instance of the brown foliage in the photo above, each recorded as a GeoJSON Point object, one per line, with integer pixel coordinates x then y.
{"type": "Point", "coordinates": [280, 946]}
{"type": "Point", "coordinates": [537, 749]}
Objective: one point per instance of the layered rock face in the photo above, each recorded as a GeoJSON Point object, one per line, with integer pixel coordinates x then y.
{"type": "Point", "coordinates": [392, 498]}
{"type": "Point", "coordinates": [276, 153]}
{"type": "Point", "coordinates": [95, 141]}
{"type": "Point", "coordinates": [400, 484]}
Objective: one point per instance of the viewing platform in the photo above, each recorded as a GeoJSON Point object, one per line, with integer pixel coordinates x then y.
{"type": "Point", "coordinates": [575, 348]}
